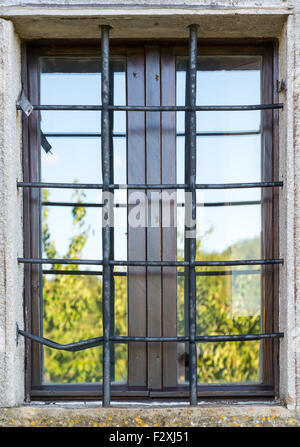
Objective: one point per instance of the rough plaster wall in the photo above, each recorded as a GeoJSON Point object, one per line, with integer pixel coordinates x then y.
{"type": "Point", "coordinates": [297, 200]}
{"type": "Point", "coordinates": [286, 216]}
{"type": "Point", "coordinates": [11, 363]}
{"type": "Point", "coordinates": [35, 19]}
{"type": "Point", "coordinates": [11, 278]}
{"type": "Point", "coordinates": [157, 3]}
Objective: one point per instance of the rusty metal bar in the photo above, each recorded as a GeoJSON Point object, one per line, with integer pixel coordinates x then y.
{"type": "Point", "coordinates": [195, 108]}
{"type": "Point", "coordinates": [97, 341]}
{"type": "Point", "coordinates": [148, 185]}
{"type": "Point", "coordinates": [106, 213]}
{"type": "Point", "coordinates": [112, 262]}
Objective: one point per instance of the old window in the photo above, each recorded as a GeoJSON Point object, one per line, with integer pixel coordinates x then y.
{"type": "Point", "coordinates": [215, 288]}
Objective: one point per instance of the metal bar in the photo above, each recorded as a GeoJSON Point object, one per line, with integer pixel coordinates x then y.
{"type": "Point", "coordinates": [80, 272]}
{"type": "Point", "coordinates": [198, 339]}
{"type": "Point", "coordinates": [95, 108]}
{"type": "Point", "coordinates": [82, 134]}
{"type": "Point", "coordinates": [238, 185]}
{"type": "Point", "coordinates": [106, 213]}
{"type": "Point", "coordinates": [124, 205]}
{"type": "Point", "coordinates": [83, 205]}
{"type": "Point", "coordinates": [208, 204]}
{"type": "Point", "coordinates": [148, 186]}
{"type": "Point", "coordinates": [222, 133]}
{"type": "Point", "coordinates": [111, 228]}
{"type": "Point", "coordinates": [151, 263]}
{"type": "Point", "coordinates": [60, 261]}
{"type": "Point", "coordinates": [192, 142]}
{"type": "Point", "coordinates": [73, 347]}
{"type": "Point", "coordinates": [123, 135]}
{"type": "Point", "coordinates": [93, 342]}
{"type": "Point", "coordinates": [99, 273]}
{"type": "Point", "coordinates": [74, 204]}
{"type": "Point", "coordinates": [226, 273]}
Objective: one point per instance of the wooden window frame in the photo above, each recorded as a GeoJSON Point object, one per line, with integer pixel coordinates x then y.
{"type": "Point", "coordinates": [269, 389]}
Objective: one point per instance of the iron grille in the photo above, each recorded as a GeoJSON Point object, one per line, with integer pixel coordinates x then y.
{"type": "Point", "coordinates": [190, 186]}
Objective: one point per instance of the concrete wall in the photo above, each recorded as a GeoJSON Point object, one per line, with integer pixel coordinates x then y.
{"type": "Point", "coordinates": [224, 18]}
{"type": "Point", "coordinates": [11, 278]}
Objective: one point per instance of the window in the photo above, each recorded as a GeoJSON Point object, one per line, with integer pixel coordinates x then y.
{"type": "Point", "coordinates": [173, 280]}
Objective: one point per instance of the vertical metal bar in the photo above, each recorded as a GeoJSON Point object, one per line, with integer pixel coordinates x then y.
{"type": "Point", "coordinates": [186, 219]}
{"type": "Point", "coordinates": [192, 70]}
{"type": "Point", "coordinates": [106, 249]}
{"type": "Point", "coordinates": [112, 245]}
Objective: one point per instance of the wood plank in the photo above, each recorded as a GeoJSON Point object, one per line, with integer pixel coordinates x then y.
{"type": "Point", "coordinates": [35, 242]}
{"type": "Point", "coordinates": [267, 219]}
{"type": "Point", "coordinates": [169, 234]}
{"type": "Point", "coordinates": [154, 279]}
{"type": "Point", "coordinates": [136, 161]}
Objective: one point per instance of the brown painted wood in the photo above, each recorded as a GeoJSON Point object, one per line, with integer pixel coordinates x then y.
{"type": "Point", "coordinates": [93, 392]}
{"type": "Point", "coordinates": [157, 315]}
{"type": "Point", "coordinates": [267, 219]}
{"type": "Point", "coordinates": [136, 173]}
{"type": "Point", "coordinates": [275, 220]}
{"type": "Point", "coordinates": [169, 234]}
{"type": "Point", "coordinates": [154, 278]}
{"type": "Point", "coordinates": [35, 248]}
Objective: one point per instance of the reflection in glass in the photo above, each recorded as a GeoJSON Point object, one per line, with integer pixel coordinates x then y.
{"type": "Point", "coordinates": [72, 303]}
{"type": "Point", "coordinates": [72, 311]}
{"type": "Point", "coordinates": [228, 220]}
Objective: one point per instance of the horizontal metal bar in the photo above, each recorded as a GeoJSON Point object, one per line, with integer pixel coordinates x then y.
{"type": "Point", "coordinates": [197, 263]}
{"type": "Point", "coordinates": [74, 204]}
{"type": "Point", "coordinates": [99, 273]}
{"type": "Point", "coordinates": [148, 186]}
{"type": "Point", "coordinates": [231, 133]}
{"type": "Point", "coordinates": [225, 272]}
{"type": "Point", "coordinates": [239, 185]}
{"type": "Point", "coordinates": [124, 205]}
{"type": "Point", "coordinates": [98, 186]}
{"type": "Point", "coordinates": [123, 135]}
{"type": "Point", "coordinates": [198, 339]}
{"type": "Point", "coordinates": [151, 263]}
{"type": "Point", "coordinates": [81, 134]}
{"type": "Point", "coordinates": [96, 108]}
{"type": "Point", "coordinates": [73, 347]}
{"type": "Point", "coordinates": [83, 205]}
{"type": "Point", "coordinates": [127, 339]}
{"type": "Point", "coordinates": [80, 272]}
{"type": "Point", "coordinates": [212, 204]}
{"type": "Point", "coordinates": [238, 262]}
{"type": "Point", "coordinates": [93, 342]}
{"type": "Point", "coordinates": [60, 261]}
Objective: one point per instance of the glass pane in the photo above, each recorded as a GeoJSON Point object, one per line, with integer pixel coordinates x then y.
{"type": "Point", "coordinates": [229, 159]}
{"type": "Point", "coordinates": [228, 220]}
{"type": "Point", "coordinates": [72, 311]}
{"type": "Point", "coordinates": [228, 232]}
{"type": "Point", "coordinates": [230, 362]}
{"type": "Point", "coordinates": [71, 232]}
{"type": "Point", "coordinates": [72, 303]}
{"type": "Point", "coordinates": [70, 81]}
{"type": "Point", "coordinates": [121, 328]}
{"type": "Point", "coordinates": [72, 160]}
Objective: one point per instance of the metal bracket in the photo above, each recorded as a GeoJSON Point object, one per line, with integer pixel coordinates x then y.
{"type": "Point", "coordinates": [281, 86]}
{"type": "Point", "coordinates": [17, 334]}
{"type": "Point", "coordinates": [45, 144]}
{"type": "Point", "coordinates": [24, 104]}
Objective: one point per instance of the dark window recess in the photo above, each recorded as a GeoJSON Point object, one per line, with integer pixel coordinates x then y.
{"type": "Point", "coordinates": [151, 266]}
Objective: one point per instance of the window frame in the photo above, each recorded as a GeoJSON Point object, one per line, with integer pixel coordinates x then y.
{"type": "Point", "coordinates": [269, 389]}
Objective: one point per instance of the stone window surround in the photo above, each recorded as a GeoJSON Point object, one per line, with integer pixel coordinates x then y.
{"type": "Point", "coordinates": [286, 27]}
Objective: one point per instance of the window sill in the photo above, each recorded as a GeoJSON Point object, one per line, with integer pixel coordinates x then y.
{"type": "Point", "coordinates": [130, 414]}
